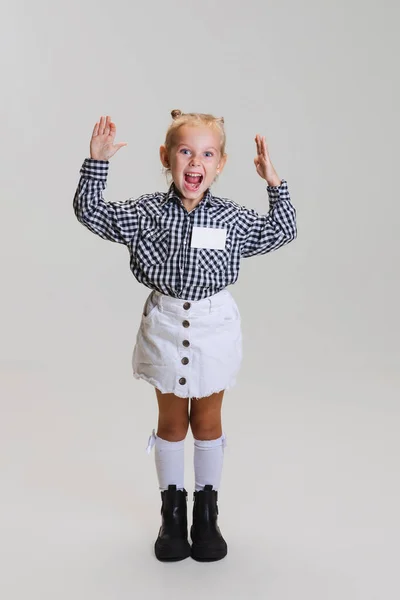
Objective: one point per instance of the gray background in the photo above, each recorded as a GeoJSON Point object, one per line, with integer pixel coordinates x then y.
{"type": "Point", "coordinates": [310, 491]}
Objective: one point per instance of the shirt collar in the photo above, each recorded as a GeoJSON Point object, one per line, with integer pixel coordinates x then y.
{"type": "Point", "coordinates": [172, 193]}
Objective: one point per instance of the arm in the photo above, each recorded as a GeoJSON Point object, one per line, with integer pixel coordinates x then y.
{"type": "Point", "coordinates": [114, 221]}
{"type": "Point", "coordinates": [263, 233]}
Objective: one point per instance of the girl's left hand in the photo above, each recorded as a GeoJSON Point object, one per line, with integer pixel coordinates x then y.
{"type": "Point", "coordinates": [263, 163]}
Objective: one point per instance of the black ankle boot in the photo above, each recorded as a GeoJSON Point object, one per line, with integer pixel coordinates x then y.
{"type": "Point", "coordinates": [172, 542]}
{"type": "Point", "coordinates": [208, 543]}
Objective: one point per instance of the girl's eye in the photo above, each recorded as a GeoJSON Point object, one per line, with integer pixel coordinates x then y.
{"type": "Point", "coordinates": [208, 154]}
{"type": "Point", "coordinates": [185, 150]}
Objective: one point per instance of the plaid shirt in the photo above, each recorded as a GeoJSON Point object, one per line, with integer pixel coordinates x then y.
{"type": "Point", "coordinates": [157, 228]}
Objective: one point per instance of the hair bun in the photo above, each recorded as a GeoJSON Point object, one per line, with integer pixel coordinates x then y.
{"type": "Point", "coordinates": [176, 113]}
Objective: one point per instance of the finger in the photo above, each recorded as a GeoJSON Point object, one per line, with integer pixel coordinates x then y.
{"type": "Point", "coordinates": [107, 126]}
{"type": "Point", "coordinates": [95, 129]}
{"type": "Point", "coordinates": [259, 144]}
{"type": "Point", "coordinates": [113, 131]}
{"type": "Point", "coordinates": [101, 126]}
{"type": "Point", "coordinates": [265, 148]}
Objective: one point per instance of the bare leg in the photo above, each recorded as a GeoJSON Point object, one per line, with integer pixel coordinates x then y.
{"type": "Point", "coordinates": [173, 417]}
{"type": "Point", "coordinates": [205, 416]}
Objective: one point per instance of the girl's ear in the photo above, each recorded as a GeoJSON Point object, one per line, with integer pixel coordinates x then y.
{"type": "Point", "coordinates": [221, 163]}
{"type": "Point", "coordinates": [164, 157]}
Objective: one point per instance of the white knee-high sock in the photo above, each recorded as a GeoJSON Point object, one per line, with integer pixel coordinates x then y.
{"type": "Point", "coordinates": [208, 461]}
{"type": "Point", "coordinates": [169, 459]}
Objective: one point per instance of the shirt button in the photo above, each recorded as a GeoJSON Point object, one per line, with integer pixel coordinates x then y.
{"type": "Point", "coordinates": [186, 343]}
{"type": "Point", "coordinates": [185, 360]}
{"type": "Point", "coordinates": [186, 306]}
{"type": "Point", "coordinates": [182, 381]}
{"type": "Point", "coordinates": [185, 323]}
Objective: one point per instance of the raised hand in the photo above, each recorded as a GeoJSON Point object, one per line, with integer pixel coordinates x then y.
{"type": "Point", "coordinates": [263, 163]}
{"type": "Point", "coordinates": [102, 145]}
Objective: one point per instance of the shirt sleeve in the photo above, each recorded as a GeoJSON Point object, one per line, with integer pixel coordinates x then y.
{"type": "Point", "coordinates": [114, 221]}
{"type": "Point", "coordinates": [263, 233]}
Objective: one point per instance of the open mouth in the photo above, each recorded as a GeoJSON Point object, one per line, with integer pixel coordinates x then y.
{"type": "Point", "coordinates": [193, 181]}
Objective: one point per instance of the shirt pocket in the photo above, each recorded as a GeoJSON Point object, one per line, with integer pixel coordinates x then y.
{"type": "Point", "coordinates": [153, 246]}
{"type": "Point", "coordinates": [213, 260]}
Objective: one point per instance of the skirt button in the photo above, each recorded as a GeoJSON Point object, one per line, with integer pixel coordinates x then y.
{"type": "Point", "coordinates": [185, 360]}
{"type": "Point", "coordinates": [182, 381]}
{"type": "Point", "coordinates": [185, 323]}
{"type": "Point", "coordinates": [186, 306]}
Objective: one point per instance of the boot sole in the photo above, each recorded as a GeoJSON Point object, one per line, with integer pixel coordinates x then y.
{"type": "Point", "coordinates": [173, 552]}
{"type": "Point", "coordinates": [205, 553]}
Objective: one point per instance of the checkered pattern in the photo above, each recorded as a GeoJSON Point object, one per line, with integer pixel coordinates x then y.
{"type": "Point", "coordinates": [156, 228]}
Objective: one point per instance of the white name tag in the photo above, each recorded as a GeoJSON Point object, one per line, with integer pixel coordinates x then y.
{"type": "Point", "coordinates": [208, 237]}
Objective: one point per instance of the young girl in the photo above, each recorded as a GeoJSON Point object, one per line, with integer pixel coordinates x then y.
{"type": "Point", "coordinates": [186, 245]}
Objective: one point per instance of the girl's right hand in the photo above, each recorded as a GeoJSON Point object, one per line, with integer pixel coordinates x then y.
{"type": "Point", "coordinates": [102, 145]}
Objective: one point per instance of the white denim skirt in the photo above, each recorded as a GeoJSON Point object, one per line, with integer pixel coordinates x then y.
{"type": "Point", "coordinates": [189, 348]}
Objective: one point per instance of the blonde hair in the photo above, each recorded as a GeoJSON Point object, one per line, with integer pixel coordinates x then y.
{"type": "Point", "coordinates": [180, 119]}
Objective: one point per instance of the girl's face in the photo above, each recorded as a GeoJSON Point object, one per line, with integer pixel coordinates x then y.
{"type": "Point", "coordinates": [194, 159]}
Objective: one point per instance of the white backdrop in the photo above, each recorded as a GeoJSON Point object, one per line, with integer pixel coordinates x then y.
{"type": "Point", "coordinates": [310, 493]}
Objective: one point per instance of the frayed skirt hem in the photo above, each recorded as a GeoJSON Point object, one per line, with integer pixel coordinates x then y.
{"type": "Point", "coordinates": [163, 390]}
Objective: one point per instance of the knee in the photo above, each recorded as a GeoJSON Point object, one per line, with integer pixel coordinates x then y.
{"type": "Point", "coordinates": [173, 431]}
{"type": "Point", "coordinates": [205, 430]}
